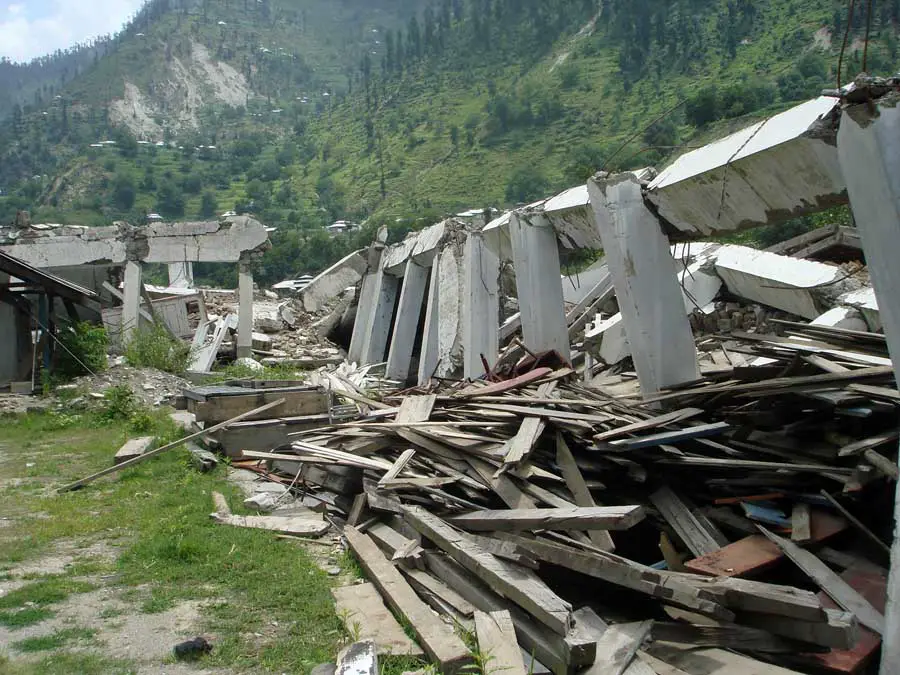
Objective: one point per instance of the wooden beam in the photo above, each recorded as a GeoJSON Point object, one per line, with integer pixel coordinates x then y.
{"type": "Point", "coordinates": [838, 589]}
{"type": "Point", "coordinates": [800, 525]}
{"type": "Point", "coordinates": [424, 583]}
{"type": "Point", "coordinates": [840, 630]}
{"type": "Point", "coordinates": [365, 616]}
{"type": "Point", "coordinates": [519, 585]}
{"type": "Point", "coordinates": [153, 453]}
{"type": "Point", "coordinates": [579, 489]}
{"type": "Point", "coordinates": [618, 646]}
{"type": "Point", "coordinates": [398, 466]}
{"type": "Point", "coordinates": [497, 643]}
{"type": "Point", "coordinates": [571, 518]}
{"type": "Point", "coordinates": [562, 654]}
{"type": "Point", "coordinates": [437, 638]}
{"type": "Point", "coordinates": [698, 540]}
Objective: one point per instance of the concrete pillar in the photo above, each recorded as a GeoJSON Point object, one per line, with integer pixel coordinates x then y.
{"type": "Point", "coordinates": [869, 153]}
{"type": "Point", "coordinates": [539, 283]}
{"type": "Point", "coordinates": [406, 323]}
{"type": "Point", "coordinates": [481, 316]}
{"type": "Point", "coordinates": [378, 324]}
{"type": "Point", "coordinates": [245, 312]}
{"type": "Point", "coordinates": [131, 302]}
{"type": "Point", "coordinates": [645, 277]}
{"type": "Point", "coordinates": [428, 358]}
{"type": "Point", "coordinates": [181, 275]}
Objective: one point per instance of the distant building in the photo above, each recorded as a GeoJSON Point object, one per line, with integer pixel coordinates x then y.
{"type": "Point", "coordinates": [154, 218]}
{"type": "Point", "coordinates": [477, 216]}
{"type": "Point", "coordinates": [341, 227]}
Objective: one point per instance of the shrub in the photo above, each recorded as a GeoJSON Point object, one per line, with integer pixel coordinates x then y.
{"type": "Point", "coordinates": [84, 349]}
{"type": "Point", "coordinates": [119, 403]}
{"type": "Point", "coordinates": [155, 348]}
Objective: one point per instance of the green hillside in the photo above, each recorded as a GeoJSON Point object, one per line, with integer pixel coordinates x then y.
{"type": "Point", "coordinates": [402, 111]}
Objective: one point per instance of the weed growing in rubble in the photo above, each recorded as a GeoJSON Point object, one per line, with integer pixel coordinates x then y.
{"type": "Point", "coordinates": [84, 348]}
{"type": "Point", "coordinates": [154, 348]}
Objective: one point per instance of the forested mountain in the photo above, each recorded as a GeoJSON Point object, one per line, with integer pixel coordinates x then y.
{"type": "Point", "coordinates": [401, 111]}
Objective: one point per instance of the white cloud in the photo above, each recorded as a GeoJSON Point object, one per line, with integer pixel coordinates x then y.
{"type": "Point", "coordinates": [42, 27]}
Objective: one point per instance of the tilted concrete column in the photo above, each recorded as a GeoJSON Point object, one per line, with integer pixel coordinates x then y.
{"type": "Point", "coordinates": [181, 275]}
{"type": "Point", "coordinates": [406, 323]}
{"type": "Point", "coordinates": [481, 316]}
{"type": "Point", "coordinates": [378, 325]}
{"type": "Point", "coordinates": [131, 303]}
{"type": "Point", "coordinates": [428, 358]}
{"type": "Point", "coordinates": [869, 153]}
{"type": "Point", "coordinates": [539, 283]}
{"type": "Point", "coordinates": [245, 312]}
{"type": "Point", "coordinates": [646, 282]}
{"type": "Point", "coordinates": [365, 303]}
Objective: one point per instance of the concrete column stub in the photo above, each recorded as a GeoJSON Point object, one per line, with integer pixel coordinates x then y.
{"type": "Point", "coordinates": [481, 318]}
{"type": "Point", "coordinates": [539, 284]}
{"type": "Point", "coordinates": [131, 302]}
{"type": "Point", "coordinates": [646, 283]}
{"type": "Point", "coordinates": [406, 323]}
{"type": "Point", "coordinates": [245, 311]}
{"type": "Point", "coordinates": [429, 357]}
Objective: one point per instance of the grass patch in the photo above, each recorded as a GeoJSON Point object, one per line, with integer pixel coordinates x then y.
{"type": "Point", "coordinates": [44, 592]}
{"type": "Point", "coordinates": [57, 640]}
{"type": "Point", "coordinates": [64, 663]}
{"type": "Point", "coordinates": [24, 617]}
{"type": "Point", "coordinates": [158, 512]}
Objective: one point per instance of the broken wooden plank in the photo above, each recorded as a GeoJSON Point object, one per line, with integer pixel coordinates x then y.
{"type": "Point", "coordinates": [762, 598]}
{"type": "Point", "coordinates": [859, 446]}
{"type": "Point", "coordinates": [398, 466]}
{"type": "Point", "coordinates": [520, 585]}
{"type": "Point", "coordinates": [839, 631]}
{"type": "Point", "coordinates": [521, 445]}
{"type": "Point", "coordinates": [416, 408]}
{"type": "Point", "coordinates": [158, 451]}
{"type": "Point", "coordinates": [727, 636]}
{"type": "Point", "coordinates": [497, 643]}
{"type": "Point", "coordinates": [436, 638]}
{"type": "Point", "coordinates": [395, 544]}
{"type": "Point", "coordinates": [622, 572]}
{"type": "Point", "coordinates": [425, 583]}
{"type": "Point", "coordinates": [679, 517]}
{"type": "Point", "coordinates": [756, 553]}
{"type": "Point", "coordinates": [366, 617]}
{"type": "Point", "coordinates": [671, 437]}
{"type": "Point", "coordinates": [618, 646]}
{"type": "Point", "coordinates": [714, 661]}
{"type": "Point", "coordinates": [506, 550]}
{"type": "Point", "coordinates": [839, 591]}
{"type": "Point", "coordinates": [645, 425]}
{"type": "Point", "coordinates": [570, 518]}
{"type": "Point", "coordinates": [882, 464]}
{"type": "Point", "coordinates": [872, 585]}
{"type": "Point", "coordinates": [800, 525]}
{"type": "Point", "coordinates": [562, 654]}
{"type": "Point", "coordinates": [579, 489]}
{"type": "Point", "coordinates": [856, 522]}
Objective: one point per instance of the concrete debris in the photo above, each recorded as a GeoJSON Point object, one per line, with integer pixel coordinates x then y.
{"type": "Point", "coordinates": [249, 364]}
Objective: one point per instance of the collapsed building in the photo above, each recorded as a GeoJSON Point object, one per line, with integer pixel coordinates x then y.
{"type": "Point", "coordinates": [437, 296]}
{"type": "Point", "coordinates": [92, 258]}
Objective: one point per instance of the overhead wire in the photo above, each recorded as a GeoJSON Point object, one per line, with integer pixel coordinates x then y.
{"type": "Point", "coordinates": [850, 8]}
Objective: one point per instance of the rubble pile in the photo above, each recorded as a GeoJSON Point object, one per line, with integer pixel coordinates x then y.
{"type": "Point", "coordinates": [150, 386]}
{"type": "Point", "coordinates": [709, 514]}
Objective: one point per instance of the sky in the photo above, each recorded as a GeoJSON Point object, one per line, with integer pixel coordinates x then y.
{"type": "Point", "coordinates": [31, 28]}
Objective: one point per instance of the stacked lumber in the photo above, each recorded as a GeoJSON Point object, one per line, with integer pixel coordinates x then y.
{"type": "Point", "coordinates": [724, 525]}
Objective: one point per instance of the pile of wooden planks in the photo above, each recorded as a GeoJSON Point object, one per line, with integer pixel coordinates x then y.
{"type": "Point", "coordinates": [741, 522]}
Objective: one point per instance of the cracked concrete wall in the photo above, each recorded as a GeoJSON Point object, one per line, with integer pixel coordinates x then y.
{"type": "Point", "coordinates": [217, 241]}
{"type": "Point", "coordinates": [780, 168]}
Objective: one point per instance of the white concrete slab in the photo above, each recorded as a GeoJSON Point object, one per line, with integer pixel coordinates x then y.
{"type": "Point", "coordinates": [780, 168]}
{"type": "Point", "coordinates": [481, 317]}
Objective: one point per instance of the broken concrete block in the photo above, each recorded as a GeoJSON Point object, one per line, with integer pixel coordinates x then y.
{"type": "Point", "coordinates": [262, 501]}
{"type": "Point", "coordinates": [21, 388]}
{"type": "Point", "coordinates": [184, 420]}
{"type": "Point", "coordinates": [134, 448]}
{"type": "Point", "coordinates": [360, 658]}
{"type": "Point", "coordinates": [262, 342]}
{"type": "Point", "coordinates": [842, 317]}
{"type": "Point", "coordinates": [329, 284]}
